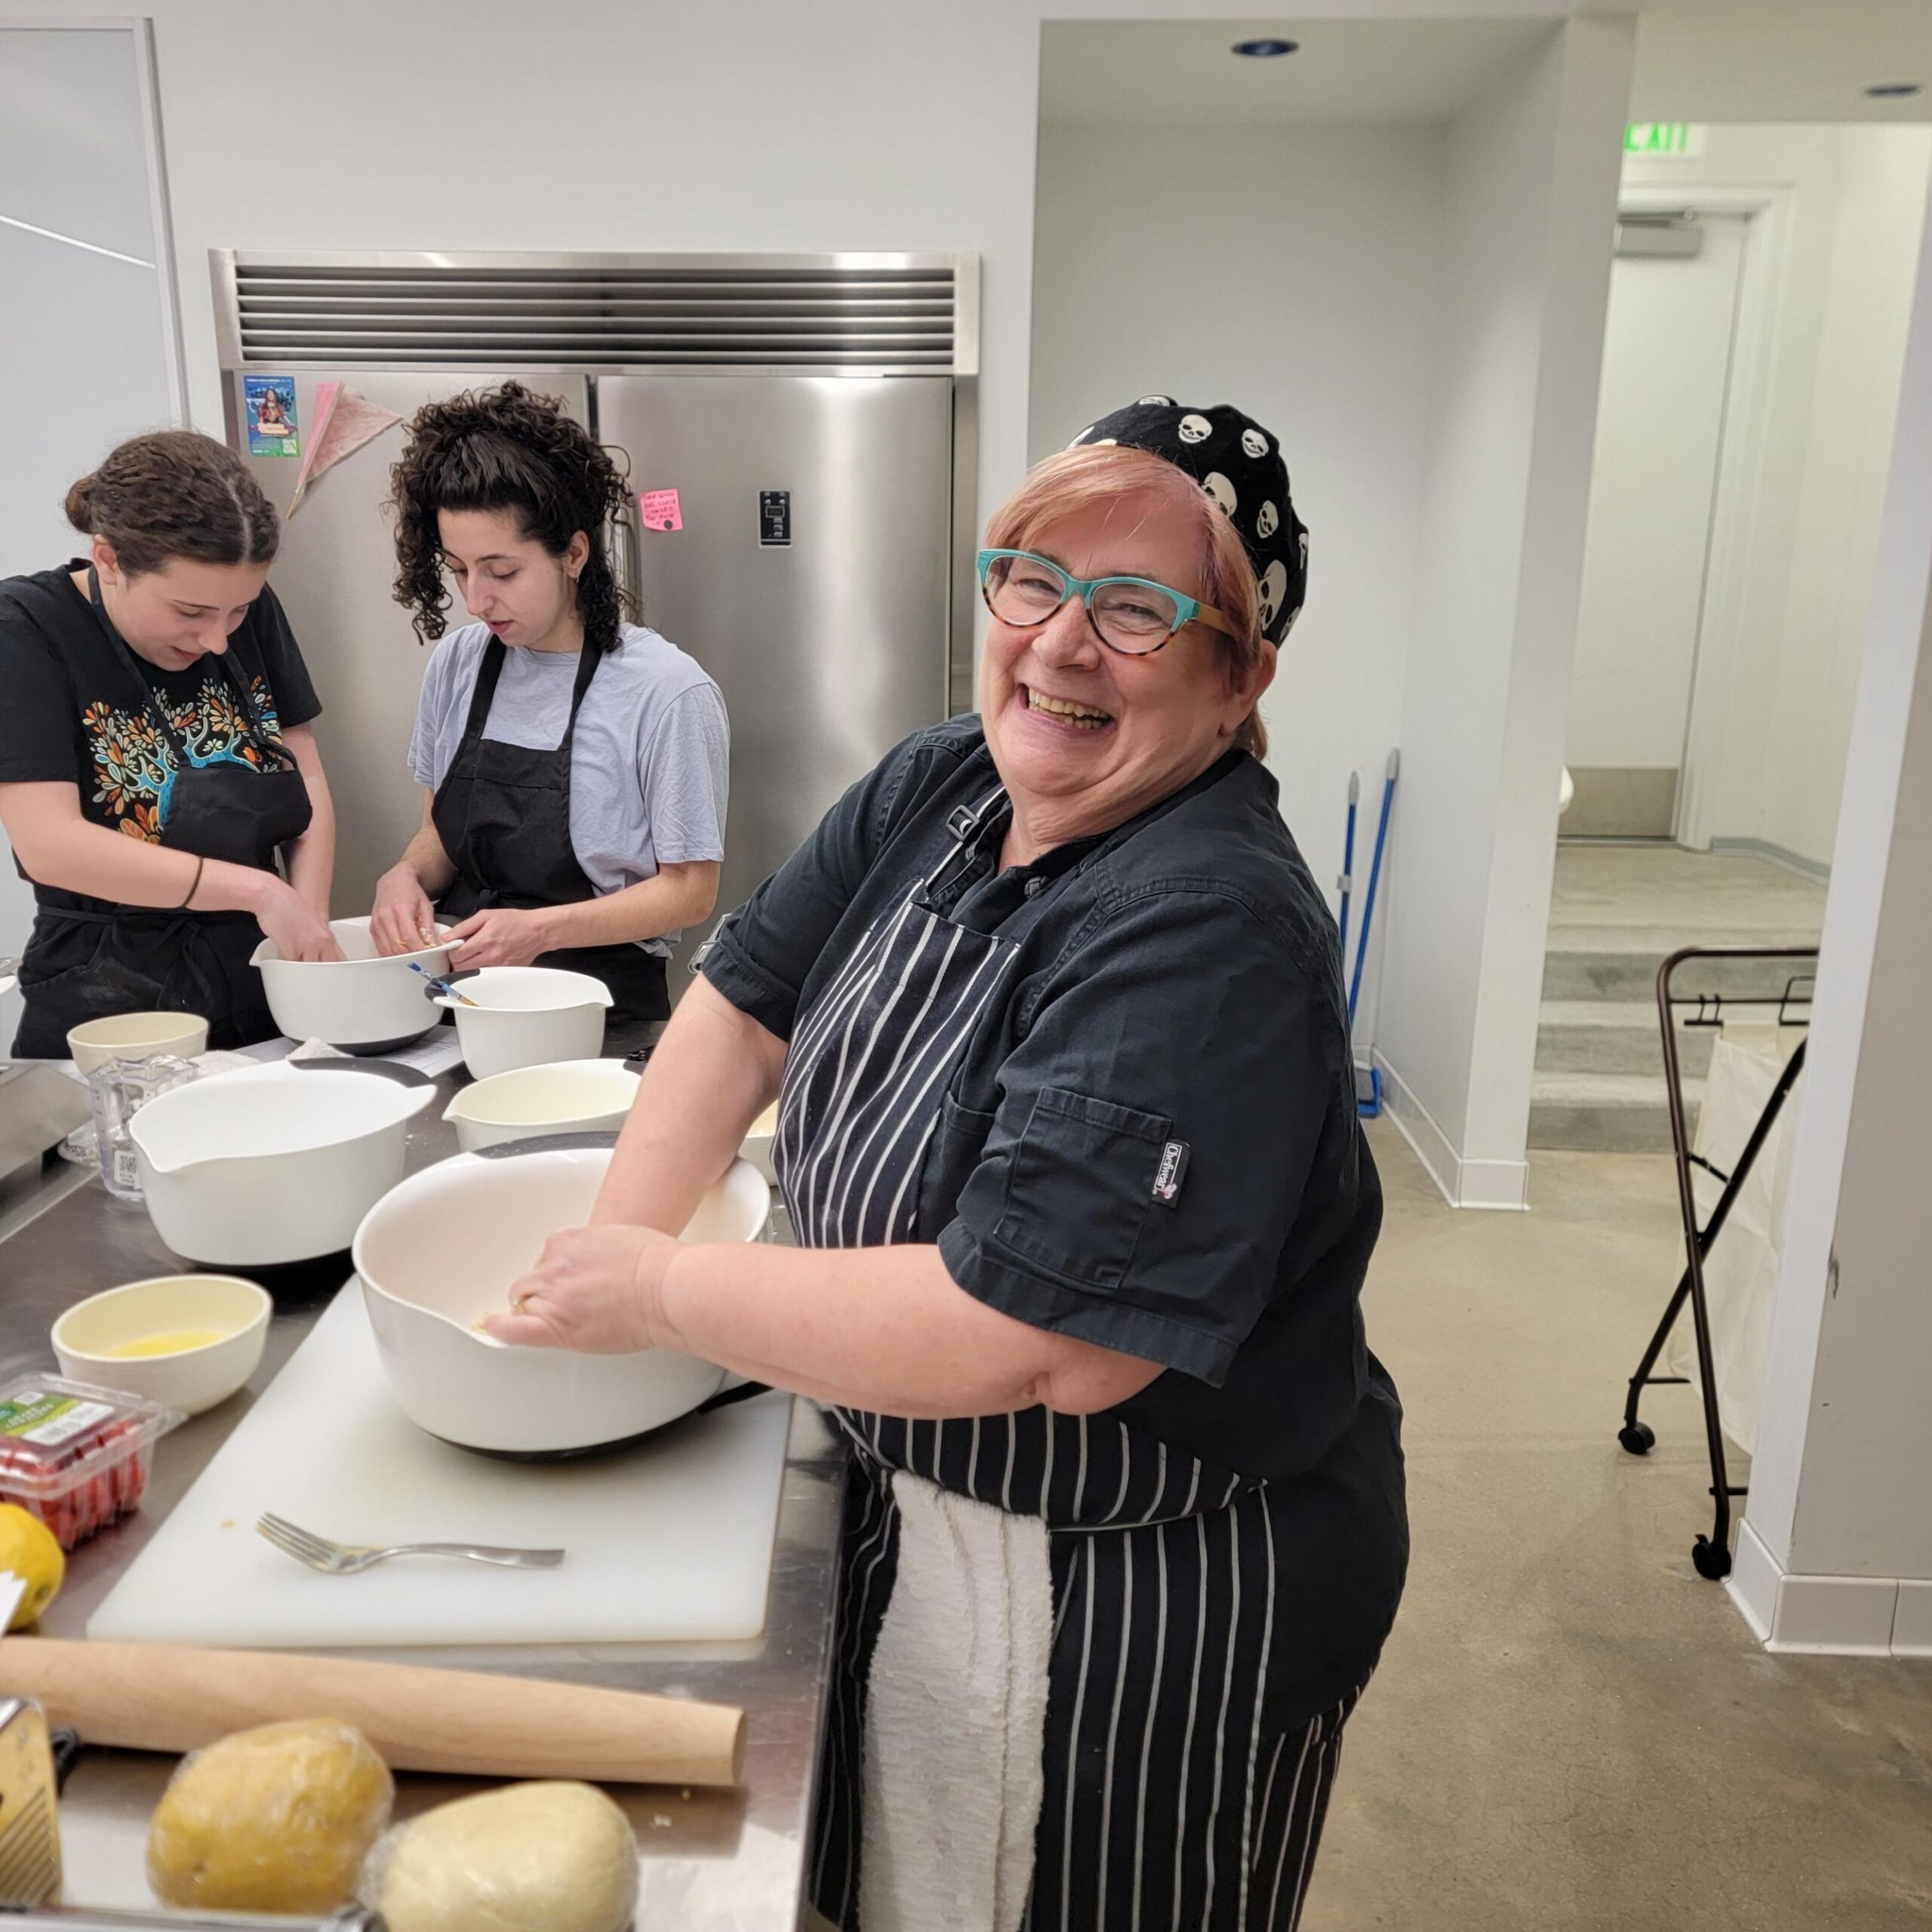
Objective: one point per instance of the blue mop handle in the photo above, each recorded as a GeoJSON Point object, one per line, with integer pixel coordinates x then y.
{"type": "Point", "coordinates": [1374, 878]}
{"type": "Point", "coordinates": [1346, 881]}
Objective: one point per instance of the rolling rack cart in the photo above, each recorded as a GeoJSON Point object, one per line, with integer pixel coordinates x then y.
{"type": "Point", "coordinates": [1710, 1556]}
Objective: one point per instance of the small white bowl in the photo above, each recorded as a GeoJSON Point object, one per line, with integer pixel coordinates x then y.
{"type": "Point", "coordinates": [757, 1145]}
{"type": "Point", "coordinates": [527, 1016]}
{"type": "Point", "coordinates": [136, 1036]}
{"type": "Point", "coordinates": [563, 1096]}
{"type": "Point", "coordinates": [190, 1379]}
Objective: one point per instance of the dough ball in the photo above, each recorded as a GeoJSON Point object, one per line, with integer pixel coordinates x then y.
{"type": "Point", "coordinates": [274, 1819]}
{"type": "Point", "coordinates": [549, 1858]}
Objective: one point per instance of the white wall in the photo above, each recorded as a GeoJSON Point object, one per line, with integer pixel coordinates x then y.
{"type": "Point", "coordinates": [1416, 309]}
{"type": "Point", "coordinates": [1881, 208]}
{"type": "Point", "coordinates": [84, 352]}
{"type": "Point", "coordinates": [485, 123]}
{"type": "Point", "coordinates": [1532, 180]}
{"type": "Point", "coordinates": [1295, 272]}
{"type": "Point", "coordinates": [1837, 1485]}
{"type": "Point", "coordinates": [1837, 240]}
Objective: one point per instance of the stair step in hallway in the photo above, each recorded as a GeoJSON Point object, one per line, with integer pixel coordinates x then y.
{"type": "Point", "coordinates": [1617, 911]}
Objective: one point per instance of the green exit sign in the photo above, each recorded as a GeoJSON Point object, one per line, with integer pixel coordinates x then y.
{"type": "Point", "coordinates": [1656, 138]}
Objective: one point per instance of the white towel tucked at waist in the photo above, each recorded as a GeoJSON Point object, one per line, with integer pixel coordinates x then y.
{"type": "Point", "coordinates": [955, 1716]}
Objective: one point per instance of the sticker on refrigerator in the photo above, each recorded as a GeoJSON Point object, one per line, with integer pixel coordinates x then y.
{"type": "Point", "coordinates": [659, 509]}
{"type": "Point", "coordinates": [268, 402]}
{"type": "Point", "coordinates": [774, 516]}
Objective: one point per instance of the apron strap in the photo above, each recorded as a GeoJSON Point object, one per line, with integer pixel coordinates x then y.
{"type": "Point", "coordinates": [484, 691]}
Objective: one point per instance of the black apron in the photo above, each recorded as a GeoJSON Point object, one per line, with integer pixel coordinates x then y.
{"type": "Point", "coordinates": [87, 957]}
{"type": "Point", "coordinates": [503, 813]}
{"type": "Point", "coordinates": [1174, 1795]}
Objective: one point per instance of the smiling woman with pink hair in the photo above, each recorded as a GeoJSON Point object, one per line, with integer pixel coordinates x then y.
{"type": "Point", "coordinates": [1053, 1012]}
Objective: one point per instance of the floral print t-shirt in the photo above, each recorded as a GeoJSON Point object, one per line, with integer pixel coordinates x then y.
{"type": "Point", "coordinates": [70, 709]}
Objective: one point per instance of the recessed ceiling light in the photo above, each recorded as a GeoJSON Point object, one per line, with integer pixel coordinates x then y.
{"type": "Point", "coordinates": [1892, 90]}
{"type": "Point", "coordinates": [1265, 50]}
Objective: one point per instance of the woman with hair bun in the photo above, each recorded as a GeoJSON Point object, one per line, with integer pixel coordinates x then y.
{"type": "Point", "coordinates": [574, 764]}
{"type": "Point", "coordinates": [159, 781]}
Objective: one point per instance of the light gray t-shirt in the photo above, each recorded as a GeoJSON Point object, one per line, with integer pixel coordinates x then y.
{"type": "Point", "coordinates": [649, 763]}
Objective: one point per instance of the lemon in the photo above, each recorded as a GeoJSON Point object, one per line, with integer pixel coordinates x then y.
{"type": "Point", "coordinates": [28, 1548]}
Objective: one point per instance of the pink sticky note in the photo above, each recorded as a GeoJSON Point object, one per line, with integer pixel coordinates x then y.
{"type": "Point", "coordinates": [659, 509]}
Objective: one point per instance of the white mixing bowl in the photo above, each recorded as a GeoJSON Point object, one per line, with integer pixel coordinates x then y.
{"type": "Point", "coordinates": [232, 1316]}
{"type": "Point", "coordinates": [361, 1003]}
{"type": "Point", "coordinates": [440, 1251]}
{"type": "Point", "coordinates": [528, 1016]}
{"type": "Point", "coordinates": [274, 1164]}
{"type": "Point", "coordinates": [563, 1096]}
{"type": "Point", "coordinates": [136, 1036]}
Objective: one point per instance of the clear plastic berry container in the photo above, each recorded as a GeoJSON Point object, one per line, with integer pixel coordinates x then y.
{"type": "Point", "coordinates": [76, 1457]}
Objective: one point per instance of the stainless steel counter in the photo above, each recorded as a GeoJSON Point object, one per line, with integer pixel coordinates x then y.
{"type": "Point", "coordinates": [709, 1860]}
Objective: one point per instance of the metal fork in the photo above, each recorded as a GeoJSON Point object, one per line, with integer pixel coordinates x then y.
{"type": "Point", "coordinates": [346, 1559]}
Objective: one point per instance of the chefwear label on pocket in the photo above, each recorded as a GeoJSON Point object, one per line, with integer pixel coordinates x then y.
{"type": "Point", "coordinates": [1172, 1171]}
{"type": "Point", "coordinates": [42, 1416]}
{"type": "Point", "coordinates": [268, 403]}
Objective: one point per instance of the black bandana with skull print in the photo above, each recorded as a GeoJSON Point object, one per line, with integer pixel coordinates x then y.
{"type": "Point", "coordinates": [1239, 464]}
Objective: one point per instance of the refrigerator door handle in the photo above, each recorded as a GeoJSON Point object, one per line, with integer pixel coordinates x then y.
{"type": "Point", "coordinates": [625, 550]}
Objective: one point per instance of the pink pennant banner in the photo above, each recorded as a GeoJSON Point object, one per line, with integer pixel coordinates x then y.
{"type": "Point", "coordinates": [343, 422]}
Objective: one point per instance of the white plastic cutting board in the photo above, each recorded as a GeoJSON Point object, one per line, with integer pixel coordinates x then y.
{"type": "Point", "coordinates": [669, 1542]}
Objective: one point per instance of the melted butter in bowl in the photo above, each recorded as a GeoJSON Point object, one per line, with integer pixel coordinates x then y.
{"type": "Point", "coordinates": [172, 1342]}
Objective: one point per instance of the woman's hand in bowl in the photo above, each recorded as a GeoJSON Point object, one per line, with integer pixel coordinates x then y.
{"type": "Point", "coordinates": [502, 935]}
{"type": "Point", "coordinates": [296, 929]}
{"type": "Point", "coordinates": [598, 1290]}
{"type": "Point", "coordinates": [401, 920]}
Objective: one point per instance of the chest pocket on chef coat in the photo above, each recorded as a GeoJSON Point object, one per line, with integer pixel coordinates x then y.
{"type": "Point", "coordinates": [1081, 1186]}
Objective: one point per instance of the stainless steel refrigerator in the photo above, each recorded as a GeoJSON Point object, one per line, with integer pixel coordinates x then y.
{"type": "Point", "coordinates": [815, 416]}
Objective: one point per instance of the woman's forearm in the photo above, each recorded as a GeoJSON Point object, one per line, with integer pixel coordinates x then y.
{"type": "Point", "coordinates": [885, 1329]}
{"type": "Point", "coordinates": [425, 857]}
{"type": "Point", "coordinates": [678, 898]}
{"type": "Point", "coordinates": [56, 847]}
{"type": "Point", "coordinates": [311, 859]}
{"type": "Point", "coordinates": [712, 1072]}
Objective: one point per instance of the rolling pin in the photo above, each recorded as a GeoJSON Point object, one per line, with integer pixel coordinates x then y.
{"type": "Point", "coordinates": [167, 1697]}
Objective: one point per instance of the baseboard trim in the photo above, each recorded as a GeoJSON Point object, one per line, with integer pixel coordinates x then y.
{"type": "Point", "coordinates": [1845, 1616]}
{"type": "Point", "coordinates": [1776, 855]}
{"type": "Point", "coordinates": [1498, 1186]}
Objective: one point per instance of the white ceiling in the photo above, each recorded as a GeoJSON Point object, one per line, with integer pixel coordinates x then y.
{"type": "Point", "coordinates": [1778, 60]}
{"type": "Point", "coordinates": [1164, 71]}
{"type": "Point", "coordinates": [1696, 60]}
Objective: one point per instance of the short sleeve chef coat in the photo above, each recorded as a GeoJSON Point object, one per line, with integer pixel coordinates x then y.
{"type": "Point", "coordinates": [1152, 1142]}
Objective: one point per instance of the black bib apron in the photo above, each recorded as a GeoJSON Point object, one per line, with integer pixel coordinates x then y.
{"type": "Point", "coordinates": [1172, 1796]}
{"type": "Point", "coordinates": [88, 959]}
{"type": "Point", "coordinates": [503, 813]}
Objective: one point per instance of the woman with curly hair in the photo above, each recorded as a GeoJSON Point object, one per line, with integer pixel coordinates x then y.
{"type": "Point", "coordinates": [574, 764]}
{"type": "Point", "coordinates": [159, 779]}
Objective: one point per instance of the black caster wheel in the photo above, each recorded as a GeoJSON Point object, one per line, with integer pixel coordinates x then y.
{"type": "Point", "coordinates": [1710, 1562]}
{"type": "Point", "coordinates": [1639, 1438]}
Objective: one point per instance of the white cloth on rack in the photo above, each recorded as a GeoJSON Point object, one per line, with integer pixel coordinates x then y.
{"type": "Point", "coordinates": [1741, 1271]}
{"type": "Point", "coordinates": [956, 1717]}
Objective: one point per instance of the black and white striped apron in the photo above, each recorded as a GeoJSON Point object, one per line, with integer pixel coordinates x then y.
{"type": "Point", "coordinates": [1172, 1803]}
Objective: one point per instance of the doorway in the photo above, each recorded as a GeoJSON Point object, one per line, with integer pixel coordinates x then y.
{"type": "Point", "coordinates": [1754, 345]}
{"type": "Point", "coordinates": [1670, 352]}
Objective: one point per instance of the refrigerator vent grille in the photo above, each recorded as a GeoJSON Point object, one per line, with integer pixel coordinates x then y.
{"type": "Point", "coordinates": [644, 316]}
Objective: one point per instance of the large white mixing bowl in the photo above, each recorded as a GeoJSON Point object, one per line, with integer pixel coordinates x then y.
{"type": "Point", "coordinates": [442, 1250]}
{"type": "Point", "coordinates": [274, 1164]}
{"type": "Point", "coordinates": [361, 1003]}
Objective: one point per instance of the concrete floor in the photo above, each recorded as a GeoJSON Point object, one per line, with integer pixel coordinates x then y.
{"type": "Point", "coordinates": [1611, 895]}
{"type": "Point", "coordinates": [1571, 1731]}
